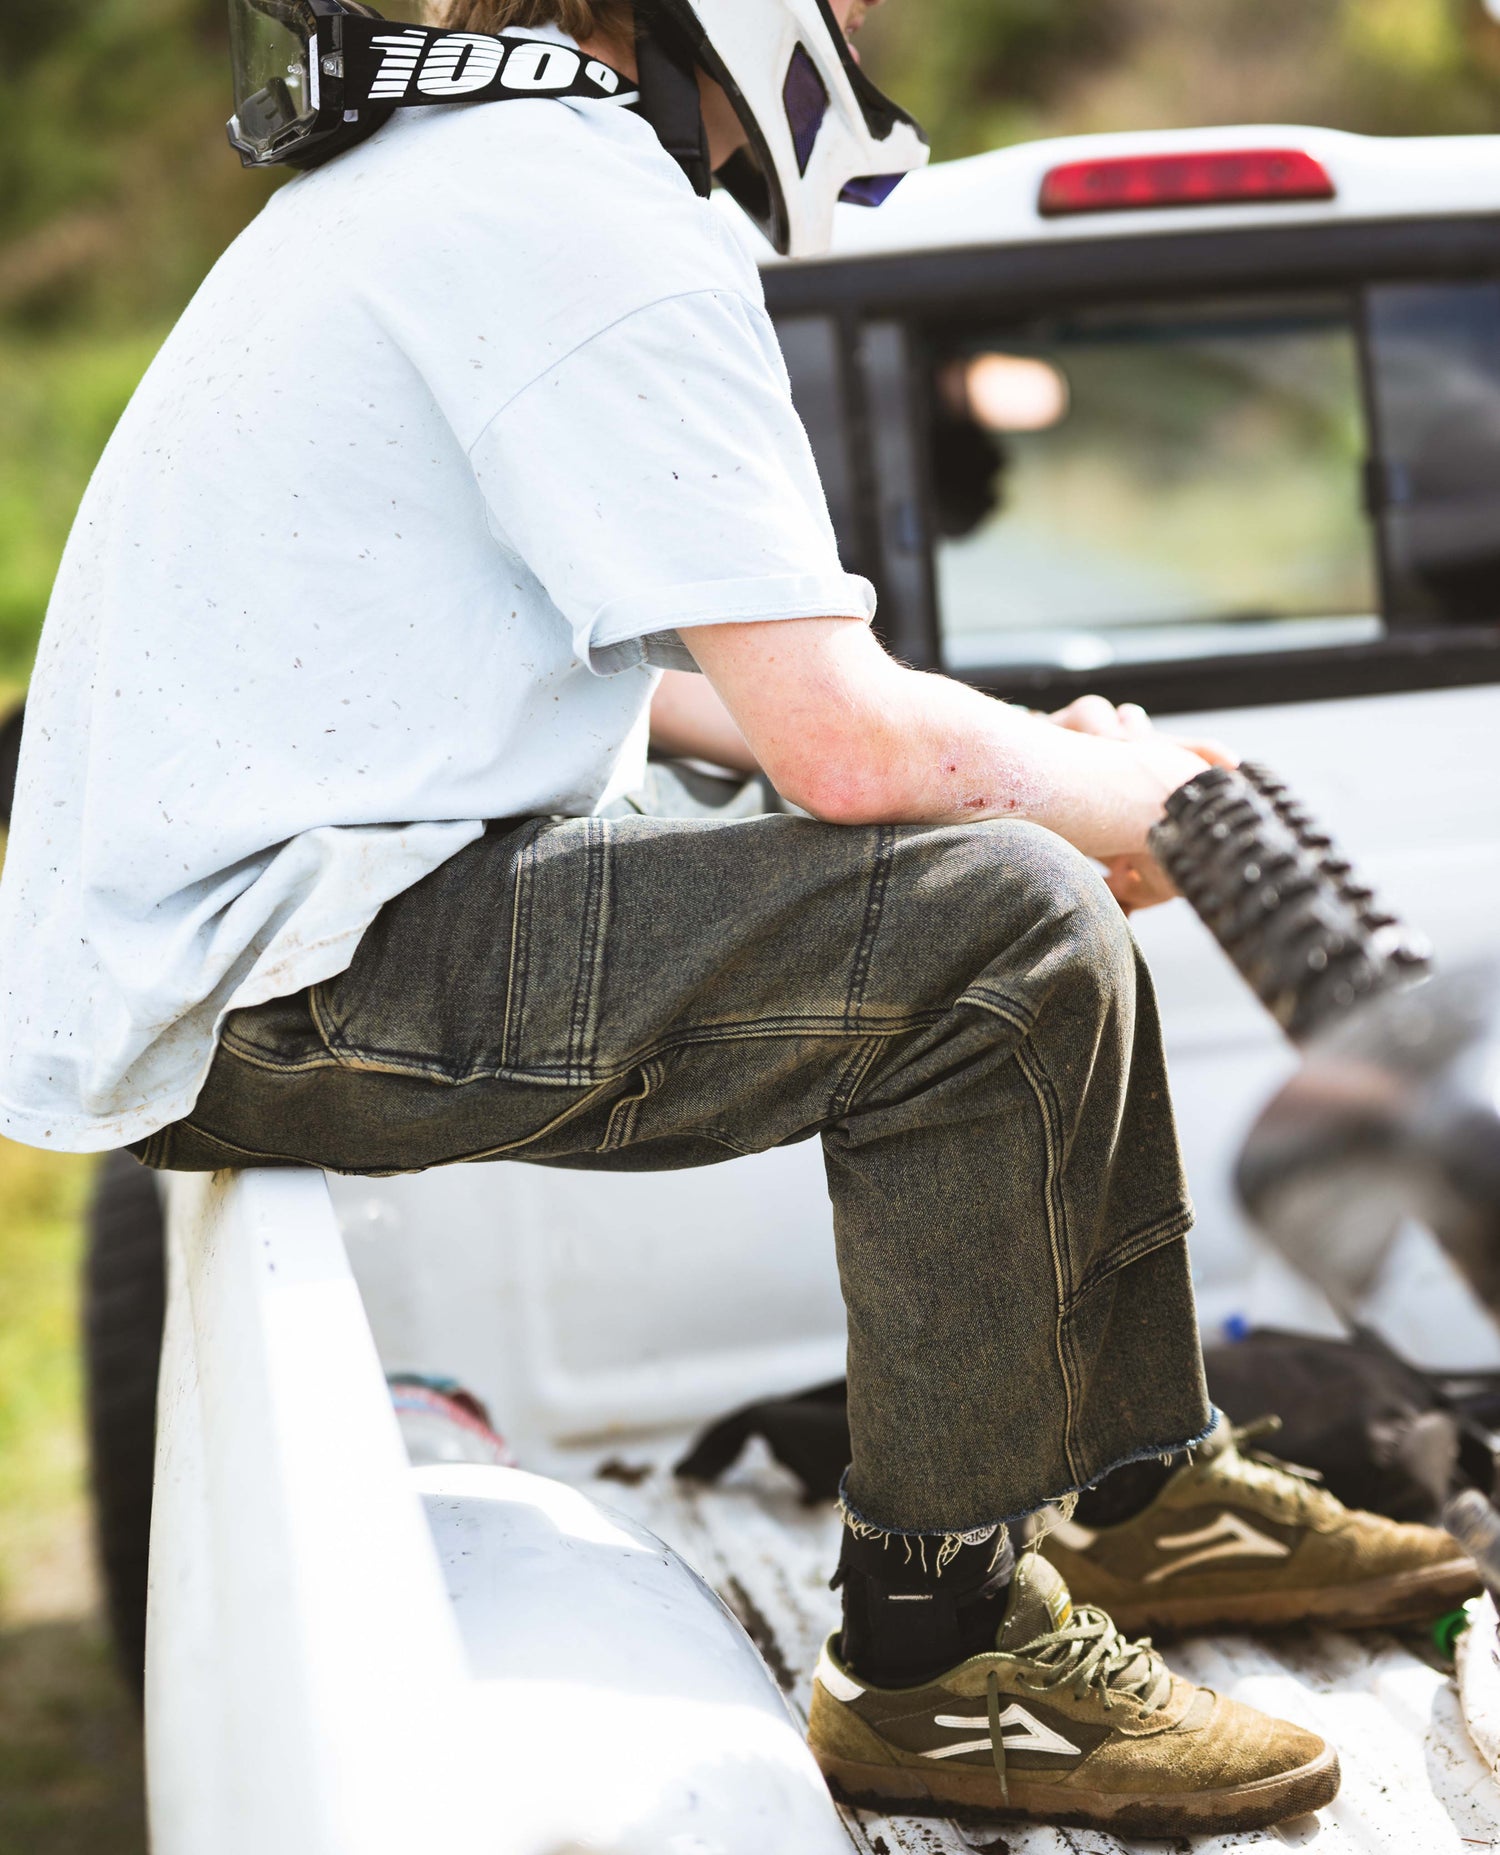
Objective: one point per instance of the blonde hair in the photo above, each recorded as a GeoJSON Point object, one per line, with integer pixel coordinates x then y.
{"type": "Point", "coordinates": [580, 19]}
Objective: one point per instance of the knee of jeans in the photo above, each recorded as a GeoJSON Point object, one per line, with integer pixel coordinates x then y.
{"type": "Point", "coordinates": [1068, 916]}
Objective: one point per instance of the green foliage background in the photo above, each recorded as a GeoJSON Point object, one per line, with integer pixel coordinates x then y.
{"type": "Point", "coordinates": [117, 189]}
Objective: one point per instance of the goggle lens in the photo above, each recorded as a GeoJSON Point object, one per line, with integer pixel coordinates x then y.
{"type": "Point", "coordinates": [274, 87]}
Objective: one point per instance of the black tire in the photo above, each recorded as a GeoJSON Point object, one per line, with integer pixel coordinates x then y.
{"type": "Point", "coordinates": [124, 1302]}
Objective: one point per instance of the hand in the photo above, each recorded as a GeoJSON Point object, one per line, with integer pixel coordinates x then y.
{"type": "Point", "coordinates": [1138, 881]}
{"type": "Point", "coordinates": [1130, 722]}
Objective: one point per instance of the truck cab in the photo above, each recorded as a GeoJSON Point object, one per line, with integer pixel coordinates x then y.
{"type": "Point", "coordinates": [1210, 421]}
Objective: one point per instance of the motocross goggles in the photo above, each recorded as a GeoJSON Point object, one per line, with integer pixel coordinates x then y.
{"type": "Point", "coordinates": [314, 77]}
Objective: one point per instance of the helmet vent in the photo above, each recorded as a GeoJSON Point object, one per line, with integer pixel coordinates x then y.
{"type": "Point", "coordinates": [805, 97]}
{"type": "Point", "coordinates": [871, 189]}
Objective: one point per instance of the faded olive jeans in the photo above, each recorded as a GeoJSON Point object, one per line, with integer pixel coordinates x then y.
{"type": "Point", "coordinates": [958, 1013]}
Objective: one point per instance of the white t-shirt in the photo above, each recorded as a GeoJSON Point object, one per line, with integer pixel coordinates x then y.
{"type": "Point", "coordinates": [390, 541]}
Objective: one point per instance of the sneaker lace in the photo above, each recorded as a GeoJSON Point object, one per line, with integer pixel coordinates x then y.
{"type": "Point", "coordinates": [1300, 1489]}
{"type": "Point", "coordinates": [1089, 1655]}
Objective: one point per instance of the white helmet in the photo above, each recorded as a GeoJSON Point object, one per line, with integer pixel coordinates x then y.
{"type": "Point", "coordinates": [819, 130]}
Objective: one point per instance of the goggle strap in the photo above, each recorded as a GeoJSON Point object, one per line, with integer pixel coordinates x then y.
{"type": "Point", "coordinates": [382, 65]}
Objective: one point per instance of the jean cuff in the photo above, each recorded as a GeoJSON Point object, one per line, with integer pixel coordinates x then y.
{"type": "Point", "coordinates": [915, 1543]}
{"type": "Point", "coordinates": [951, 1538]}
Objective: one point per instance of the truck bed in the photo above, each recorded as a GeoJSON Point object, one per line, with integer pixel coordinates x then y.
{"type": "Point", "coordinates": [634, 1308]}
{"type": "Point", "coordinates": [349, 1652]}
{"type": "Point", "coordinates": [1413, 1781]}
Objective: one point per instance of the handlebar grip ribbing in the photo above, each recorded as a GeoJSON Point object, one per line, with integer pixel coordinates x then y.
{"type": "Point", "coordinates": [1306, 934]}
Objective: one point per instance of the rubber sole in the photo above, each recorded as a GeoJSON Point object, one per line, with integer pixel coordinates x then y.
{"type": "Point", "coordinates": [1404, 1597]}
{"type": "Point", "coordinates": [973, 1793]}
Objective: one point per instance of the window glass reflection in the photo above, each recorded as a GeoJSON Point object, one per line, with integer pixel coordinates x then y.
{"type": "Point", "coordinates": [1141, 486]}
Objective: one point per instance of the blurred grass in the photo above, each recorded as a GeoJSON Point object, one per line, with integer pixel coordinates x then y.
{"type": "Point", "coordinates": [70, 1748]}
{"type": "Point", "coordinates": [70, 1751]}
{"type": "Point", "coordinates": [60, 397]}
{"type": "Point", "coordinates": [41, 1446]}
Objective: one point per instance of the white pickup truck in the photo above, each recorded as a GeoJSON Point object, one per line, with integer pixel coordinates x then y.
{"type": "Point", "coordinates": [1205, 420]}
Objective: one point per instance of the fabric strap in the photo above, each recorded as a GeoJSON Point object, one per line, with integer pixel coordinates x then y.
{"type": "Point", "coordinates": [386, 66]}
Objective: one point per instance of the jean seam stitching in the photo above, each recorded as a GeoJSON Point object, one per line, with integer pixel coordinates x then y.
{"type": "Point", "coordinates": [1070, 1349]}
{"type": "Point", "coordinates": [1144, 1454]}
{"type": "Point", "coordinates": [1000, 1005]}
{"type": "Point", "coordinates": [256, 1059]}
{"type": "Point", "coordinates": [656, 1075]}
{"type": "Point", "coordinates": [856, 1070]}
{"type": "Point", "coordinates": [583, 1016]}
{"type": "Point", "coordinates": [480, 1153]}
{"type": "Point", "coordinates": [753, 1030]}
{"type": "Point", "coordinates": [376, 1060]}
{"type": "Point", "coordinates": [1029, 1064]}
{"type": "Point", "coordinates": [1143, 1243]}
{"type": "Point", "coordinates": [323, 1022]}
{"type": "Point", "coordinates": [519, 971]}
{"type": "Point", "coordinates": [516, 1146]}
{"type": "Point", "coordinates": [864, 952]}
{"type": "Point", "coordinates": [620, 1130]}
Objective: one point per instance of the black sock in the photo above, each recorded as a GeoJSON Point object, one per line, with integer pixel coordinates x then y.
{"type": "Point", "coordinates": [916, 1605]}
{"type": "Point", "coordinates": [1127, 1491]}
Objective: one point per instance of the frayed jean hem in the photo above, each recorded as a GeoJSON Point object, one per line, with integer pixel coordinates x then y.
{"type": "Point", "coordinates": [866, 1528]}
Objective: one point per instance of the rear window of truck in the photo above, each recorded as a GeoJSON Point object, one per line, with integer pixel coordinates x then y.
{"type": "Point", "coordinates": [1063, 472]}
{"type": "Point", "coordinates": [1129, 486]}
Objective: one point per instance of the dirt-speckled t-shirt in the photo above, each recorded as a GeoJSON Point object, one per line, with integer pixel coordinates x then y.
{"type": "Point", "coordinates": [391, 540]}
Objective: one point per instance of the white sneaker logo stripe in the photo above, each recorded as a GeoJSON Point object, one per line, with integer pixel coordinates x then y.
{"type": "Point", "coordinates": [1068, 1533]}
{"type": "Point", "coordinates": [1031, 1737]}
{"type": "Point", "coordinates": [1228, 1537]}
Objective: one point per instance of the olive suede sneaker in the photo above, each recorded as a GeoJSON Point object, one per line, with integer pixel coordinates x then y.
{"type": "Point", "coordinates": [1064, 1722]}
{"type": "Point", "coordinates": [1238, 1540]}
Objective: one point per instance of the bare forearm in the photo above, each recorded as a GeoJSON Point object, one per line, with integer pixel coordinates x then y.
{"type": "Point", "coordinates": [854, 737]}
{"type": "Point", "coordinates": [689, 720]}
{"type": "Point", "coordinates": [950, 754]}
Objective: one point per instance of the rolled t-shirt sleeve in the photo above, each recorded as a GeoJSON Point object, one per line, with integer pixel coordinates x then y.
{"type": "Point", "coordinates": [659, 477]}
